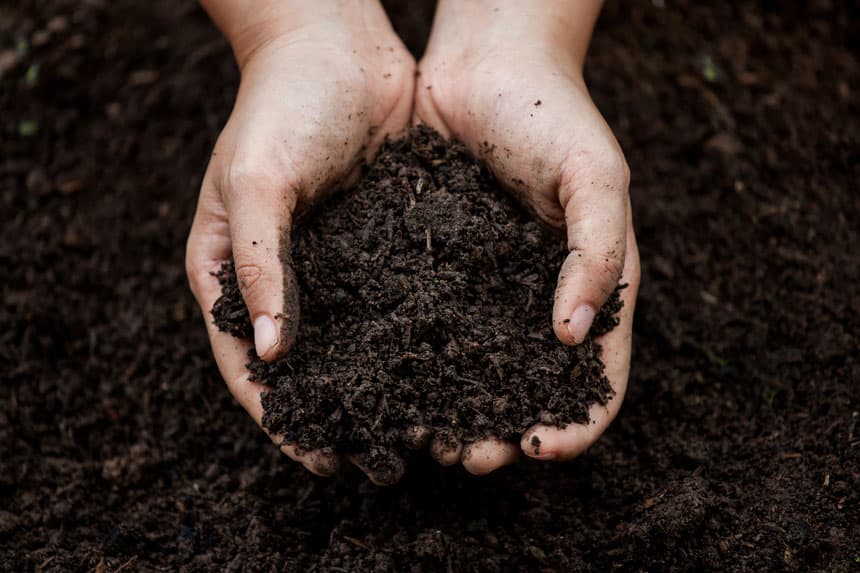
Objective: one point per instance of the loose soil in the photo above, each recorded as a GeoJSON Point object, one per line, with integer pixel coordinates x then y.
{"type": "Point", "coordinates": [738, 445]}
{"type": "Point", "coordinates": [424, 306]}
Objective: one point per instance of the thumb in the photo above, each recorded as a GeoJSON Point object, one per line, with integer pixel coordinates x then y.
{"type": "Point", "coordinates": [260, 224]}
{"type": "Point", "coordinates": [595, 211]}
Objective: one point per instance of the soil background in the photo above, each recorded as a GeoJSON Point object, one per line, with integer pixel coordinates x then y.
{"type": "Point", "coordinates": [738, 447]}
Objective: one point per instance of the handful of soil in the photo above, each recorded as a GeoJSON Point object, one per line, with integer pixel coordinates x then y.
{"type": "Point", "coordinates": [426, 299]}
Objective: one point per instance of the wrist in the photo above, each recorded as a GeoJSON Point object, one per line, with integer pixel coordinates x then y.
{"type": "Point", "coordinates": [248, 25]}
{"type": "Point", "coordinates": [561, 28]}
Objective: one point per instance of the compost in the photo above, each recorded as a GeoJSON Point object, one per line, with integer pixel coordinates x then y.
{"type": "Point", "coordinates": [736, 447]}
{"type": "Point", "coordinates": [427, 298]}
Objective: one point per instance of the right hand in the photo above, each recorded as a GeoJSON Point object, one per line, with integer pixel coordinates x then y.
{"type": "Point", "coordinates": [321, 87]}
{"type": "Point", "coordinates": [513, 91]}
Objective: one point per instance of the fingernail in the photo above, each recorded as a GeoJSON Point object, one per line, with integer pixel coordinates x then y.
{"type": "Point", "coordinates": [265, 334]}
{"type": "Point", "coordinates": [580, 323]}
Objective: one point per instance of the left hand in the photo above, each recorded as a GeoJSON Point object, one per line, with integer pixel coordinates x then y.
{"type": "Point", "coordinates": [505, 78]}
{"type": "Point", "coordinates": [322, 84]}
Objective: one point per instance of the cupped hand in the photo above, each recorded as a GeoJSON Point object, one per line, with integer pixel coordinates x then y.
{"type": "Point", "coordinates": [505, 78]}
{"type": "Point", "coordinates": [320, 89]}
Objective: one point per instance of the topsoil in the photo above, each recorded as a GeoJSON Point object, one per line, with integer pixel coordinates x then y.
{"type": "Point", "coordinates": [738, 445]}
{"type": "Point", "coordinates": [424, 305]}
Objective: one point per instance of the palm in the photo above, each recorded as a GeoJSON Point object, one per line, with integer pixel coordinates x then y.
{"type": "Point", "coordinates": [536, 127]}
{"type": "Point", "coordinates": [311, 108]}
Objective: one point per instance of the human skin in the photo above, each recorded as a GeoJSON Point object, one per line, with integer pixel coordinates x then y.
{"type": "Point", "coordinates": [505, 77]}
{"type": "Point", "coordinates": [324, 82]}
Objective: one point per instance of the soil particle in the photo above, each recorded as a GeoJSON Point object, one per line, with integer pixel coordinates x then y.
{"type": "Point", "coordinates": [8, 523]}
{"type": "Point", "coordinates": [535, 442]}
{"type": "Point", "coordinates": [424, 306]}
{"type": "Point", "coordinates": [743, 402]}
{"type": "Point", "coordinates": [230, 313]}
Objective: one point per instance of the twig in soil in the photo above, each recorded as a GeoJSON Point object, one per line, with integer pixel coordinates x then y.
{"type": "Point", "coordinates": [127, 564]}
{"type": "Point", "coordinates": [382, 409]}
{"type": "Point", "coordinates": [412, 200]}
{"type": "Point", "coordinates": [475, 384]}
{"type": "Point", "coordinates": [357, 542]}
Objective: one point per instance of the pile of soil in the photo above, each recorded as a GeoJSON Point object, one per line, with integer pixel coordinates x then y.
{"type": "Point", "coordinates": [738, 445]}
{"type": "Point", "coordinates": [423, 305]}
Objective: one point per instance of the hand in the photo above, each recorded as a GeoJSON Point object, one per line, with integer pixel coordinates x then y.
{"type": "Point", "coordinates": [505, 78]}
{"type": "Point", "coordinates": [322, 84]}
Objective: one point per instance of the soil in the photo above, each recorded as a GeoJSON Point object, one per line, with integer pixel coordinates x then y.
{"type": "Point", "coordinates": [424, 307]}
{"type": "Point", "coordinates": [738, 445]}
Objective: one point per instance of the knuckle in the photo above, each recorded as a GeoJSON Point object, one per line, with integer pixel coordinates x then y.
{"type": "Point", "coordinates": [613, 171]}
{"type": "Point", "coordinates": [257, 276]}
{"type": "Point", "coordinates": [606, 263]}
{"type": "Point", "coordinates": [245, 176]}
{"type": "Point", "coordinates": [606, 168]}
{"type": "Point", "coordinates": [603, 267]}
{"type": "Point", "coordinates": [248, 275]}
{"type": "Point", "coordinates": [548, 212]}
{"type": "Point", "coordinates": [273, 180]}
{"type": "Point", "coordinates": [612, 266]}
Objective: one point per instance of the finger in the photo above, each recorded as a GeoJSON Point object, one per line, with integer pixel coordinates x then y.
{"type": "Point", "coordinates": [485, 456]}
{"type": "Point", "coordinates": [260, 211]}
{"type": "Point", "coordinates": [322, 462]}
{"type": "Point", "coordinates": [208, 248]}
{"type": "Point", "coordinates": [594, 200]}
{"type": "Point", "coordinates": [382, 466]}
{"type": "Point", "coordinates": [551, 443]}
{"type": "Point", "coordinates": [231, 355]}
{"type": "Point", "coordinates": [446, 449]}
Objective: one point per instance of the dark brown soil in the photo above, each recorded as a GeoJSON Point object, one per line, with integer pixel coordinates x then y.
{"type": "Point", "coordinates": [738, 446]}
{"type": "Point", "coordinates": [424, 305]}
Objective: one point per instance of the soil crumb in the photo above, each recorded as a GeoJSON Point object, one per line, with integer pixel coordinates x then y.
{"type": "Point", "coordinates": [738, 448]}
{"type": "Point", "coordinates": [427, 297]}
